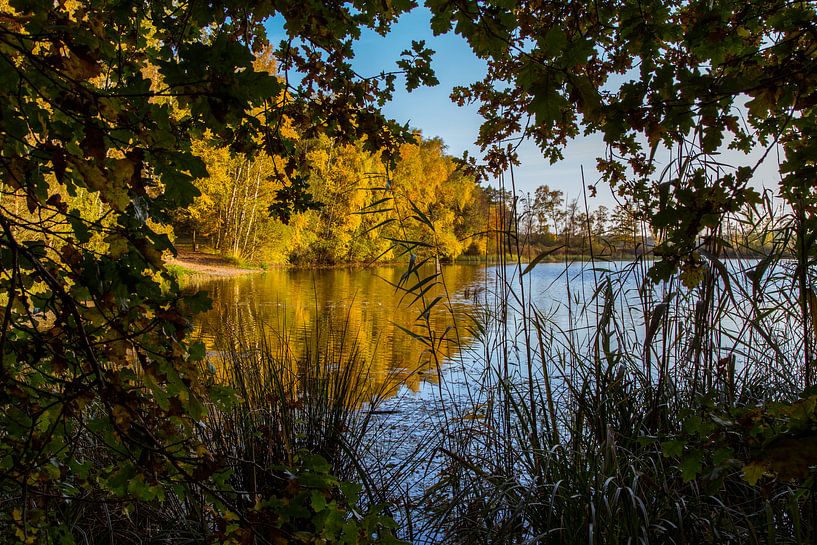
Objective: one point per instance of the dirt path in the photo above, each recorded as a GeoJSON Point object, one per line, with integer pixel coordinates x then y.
{"type": "Point", "coordinates": [209, 264]}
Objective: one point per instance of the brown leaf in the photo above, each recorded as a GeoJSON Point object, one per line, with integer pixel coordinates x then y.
{"type": "Point", "coordinates": [94, 143]}
{"type": "Point", "coordinates": [791, 458]}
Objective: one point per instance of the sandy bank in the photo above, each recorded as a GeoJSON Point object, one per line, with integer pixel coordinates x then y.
{"type": "Point", "coordinates": [208, 264]}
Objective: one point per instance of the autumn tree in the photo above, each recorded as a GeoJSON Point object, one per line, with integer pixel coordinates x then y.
{"type": "Point", "coordinates": [362, 206]}
{"type": "Point", "coordinates": [624, 226]}
{"type": "Point", "coordinates": [600, 219]}
{"type": "Point", "coordinates": [501, 222]}
{"type": "Point", "coordinates": [430, 189]}
{"type": "Point", "coordinates": [232, 209]}
{"type": "Point", "coordinates": [573, 224]}
{"type": "Point", "coordinates": [526, 217]}
{"type": "Point", "coordinates": [347, 180]}
{"type": "Point", "coordinates": [474, 226]}
{"type": "Point", "coordinates": [106, 99]}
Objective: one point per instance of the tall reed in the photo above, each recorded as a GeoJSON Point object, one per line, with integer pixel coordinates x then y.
{"type": "Point", "coordinates": [601, 430]}
{"type": "Point", "coordinates": [320, 401]}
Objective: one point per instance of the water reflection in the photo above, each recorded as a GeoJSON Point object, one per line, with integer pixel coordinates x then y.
{"type": "Point", "coordinates": [351, 311]}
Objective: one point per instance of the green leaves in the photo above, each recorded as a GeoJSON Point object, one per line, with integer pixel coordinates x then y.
{"type": "Point", "coordinates": [317, 507]}
{"type": "Point", "coordinates": [691, 465]}
{"type": "Point", "coordinates": [291, 199]}
{"type": "Point", "coordinates": [416, 66]}
{"type": "Point", "coordinates": [101, 104]}
{"type": "Point", "coordinates": [776, 440]}
{"type": "Point", "coordinates": [753, 472]}
{"type": "Point", "coordinates": [673, 448]}
{"type": "Point", "coordinates": [547, 105]}
{"type": "Point", "coordinates": [662, 82]}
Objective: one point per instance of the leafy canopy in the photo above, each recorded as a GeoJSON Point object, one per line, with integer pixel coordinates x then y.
{"type": "Point", "coordinates": [686, 78]}
{"type": "Point", "coordinates": [100, 103]}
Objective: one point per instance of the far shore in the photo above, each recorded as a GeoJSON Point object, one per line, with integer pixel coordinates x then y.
{"type": "Point", "coordinates": [189, 262]}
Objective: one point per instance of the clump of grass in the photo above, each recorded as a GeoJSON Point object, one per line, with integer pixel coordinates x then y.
{"type": "Point", "coordinates": [320, 402]}
{"type": "Point", "coordinates": [238, 261]}
{"type": "Point", "coordinates": [178, 271]}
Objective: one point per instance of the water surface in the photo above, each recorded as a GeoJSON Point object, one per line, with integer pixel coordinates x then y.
{"type": "Point", "coordinates": [357, 311]}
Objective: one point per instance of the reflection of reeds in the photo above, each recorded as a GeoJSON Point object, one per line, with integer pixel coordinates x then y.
{"type": "Point", "coordinates": [320, 401]}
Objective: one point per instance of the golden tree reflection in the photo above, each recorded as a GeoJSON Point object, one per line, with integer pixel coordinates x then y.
{"type": "Point", "coordinates": [347, 316]}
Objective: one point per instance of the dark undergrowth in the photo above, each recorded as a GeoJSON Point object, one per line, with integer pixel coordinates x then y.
{"type": "Point", "coordinates": [677, 412]}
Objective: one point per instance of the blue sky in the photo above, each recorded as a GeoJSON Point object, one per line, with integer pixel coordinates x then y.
{"type": "Point", "coordinates": [431, 109]}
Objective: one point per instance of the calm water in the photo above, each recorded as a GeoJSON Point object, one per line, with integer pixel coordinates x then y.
{"type": "Point", "coordinates": [362, 311]}
{"type": "Point", "coordinates": [355, 310]}
{"type": "Point", "coordinates": [476, 312]}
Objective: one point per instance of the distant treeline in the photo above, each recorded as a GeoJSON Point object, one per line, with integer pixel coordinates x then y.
{"type": "Point", "coordinates": [364, 210]}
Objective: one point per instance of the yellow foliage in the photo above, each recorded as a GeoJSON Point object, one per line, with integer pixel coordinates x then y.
{"type": "Point", "coordinates": [361, 209]}
{"type": "Point", "coordinates": [426, 179]}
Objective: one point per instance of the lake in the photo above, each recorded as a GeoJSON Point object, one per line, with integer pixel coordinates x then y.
{"type": "Point", "coordinates": [477, 313]}
{"type": "Point", "coordinates": [438, 361]}
{"type": "Point", "coordinates": [375, 314]}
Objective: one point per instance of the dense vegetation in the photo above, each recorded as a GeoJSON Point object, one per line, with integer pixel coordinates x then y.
{"type": "Point", "coordinates": [101, 397]}
{"type": "Point", "coordinates": [116, 115]}
{"type": "Point", "coordinates": [361, 203]}
{"type": "Point", "coordinates": [362, 206]}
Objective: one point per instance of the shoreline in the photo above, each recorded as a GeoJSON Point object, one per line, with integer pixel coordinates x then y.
{"type": "Point", "coordinates": [188, 262]}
